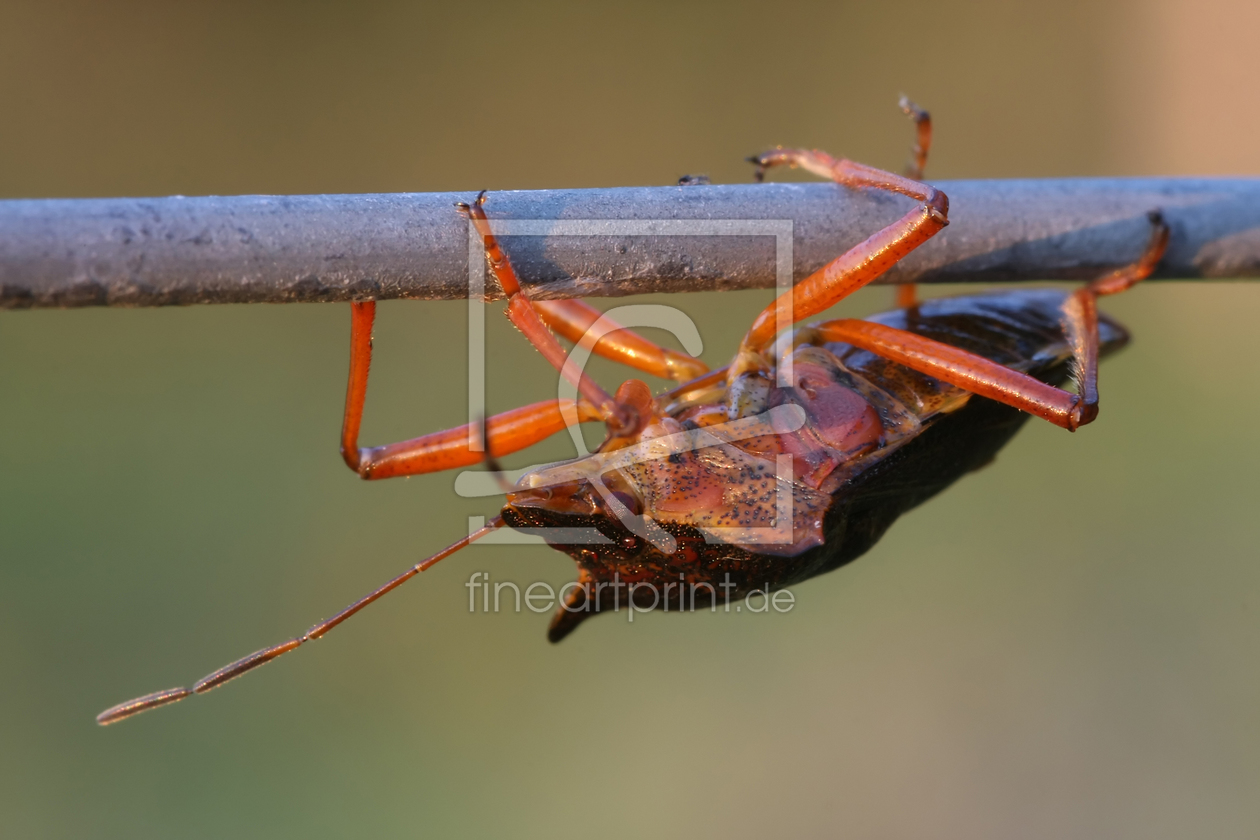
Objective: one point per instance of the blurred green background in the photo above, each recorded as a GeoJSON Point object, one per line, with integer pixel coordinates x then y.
{"type": "Point", "coordinates": [1065, 644]}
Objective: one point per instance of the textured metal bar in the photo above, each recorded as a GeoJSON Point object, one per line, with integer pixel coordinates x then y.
{"type": "Point", "coordinates": [279, 249]}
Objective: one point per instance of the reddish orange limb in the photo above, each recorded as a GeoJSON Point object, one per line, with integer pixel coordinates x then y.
{"type": "Point", "coordinates": [908, 293]}
{"type": "Point", "coordinates": [362, 316]}
{"type": "Point", "coordinates": [1080, 312]}
{"type": "Point", "coordinates": [988, 378]}
{"type": "Point", "coordinates": [573, 318]}
{"type": "Point", "coordinates": [923, 137]}
{"type": "Point", "coordinates": [505, 433]}
{"type": "Point", "coordinates": [960, 368]}
{"type": "Point", "coordinates": [521, 313]}
{"type": "Point", "coordinates": [1080, 322]}
{"type": "Point", "coordinates": [1123, 279]}
{"type": "Point", "coordinates": [860, 264]}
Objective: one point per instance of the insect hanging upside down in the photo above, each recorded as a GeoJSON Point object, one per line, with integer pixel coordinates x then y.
{"type": "Point", "coordinates": [791, 461]}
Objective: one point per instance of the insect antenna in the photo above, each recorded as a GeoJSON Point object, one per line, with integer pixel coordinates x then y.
{"type": "Point", "coordinates": [262, 657]}
{"type": "Point", "coordinates": [491, 462]}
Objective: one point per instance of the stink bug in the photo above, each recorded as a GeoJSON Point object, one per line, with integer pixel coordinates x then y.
{"type": "Point", "coordinates": [791, 461]}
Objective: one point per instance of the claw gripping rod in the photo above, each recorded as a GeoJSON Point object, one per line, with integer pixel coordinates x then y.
{"type": "Point", "coordinates": [285, 249]}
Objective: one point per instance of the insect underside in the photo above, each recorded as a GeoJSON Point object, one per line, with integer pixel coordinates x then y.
{"type": "Point", "coordinates": [791, 461]}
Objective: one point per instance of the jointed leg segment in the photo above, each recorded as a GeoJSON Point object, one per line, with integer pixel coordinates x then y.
{"type": "Point", "coordinates": [522, 427]}
{"type": "Point", "coordinates": [573, 319]}
{"type": "Point", "coordinates": [866, 261]}
{"type": "Point", "coordinates": [908, 293]}
{"type": "Point", "coordinates": [508, 432]}
{"type": "Point", "coordinates": [923, 137]}
{"type": "Point", "coordinates": [522, 314]}
{"type": "Point", "coordinates": [987, 378]}
{"type": "Point", "coordinates": [527, 316]}
{"type": "Point", "coordinates": [860, 264]}
{"type": "Point", "coordinates": [503, 433]}
{"type": "Point", "coordinates": [958, 367]}
{"type": "Point", "coordinates": [1080, 313]}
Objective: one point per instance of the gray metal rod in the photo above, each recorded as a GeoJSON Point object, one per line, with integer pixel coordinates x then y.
{"type": "Point", "coordinates": [281, 249]}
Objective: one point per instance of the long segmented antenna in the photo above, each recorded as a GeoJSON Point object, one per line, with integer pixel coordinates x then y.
{"type": "Point", "coordinates": [262, 657]}
{"type": "Point", "coordinates": [491, 462]}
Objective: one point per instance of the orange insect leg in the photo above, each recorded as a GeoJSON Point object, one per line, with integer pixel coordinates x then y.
{"type": "Point", "coordinates": [923, 137]}
{"type": "Point", "coordinates": [989, 379]}
{"type": "Point", "coordinates": [908, 293]}
{"type": "Point", "coordinates": [573, 318]}
{"type": "Point", "coordinates": [508, 432]}
{"type": "Point", "coordinates": [505, 433]}
{"type": "Point", "coordinates": [521, 313]}
{"type": "Point", "coordinates": [1080, 312]}
{"type": "Point", "coordinates": [958, 367]}
{"type": "Point", "coordinates": [860, 264]}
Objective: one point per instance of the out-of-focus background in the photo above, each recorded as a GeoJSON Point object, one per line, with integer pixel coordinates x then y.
{"type": "Point", "coordinates": [1066, 644]}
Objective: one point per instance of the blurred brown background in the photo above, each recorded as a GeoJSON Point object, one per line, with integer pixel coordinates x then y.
{"type": "Point", "coordinates": [1063, 645]}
